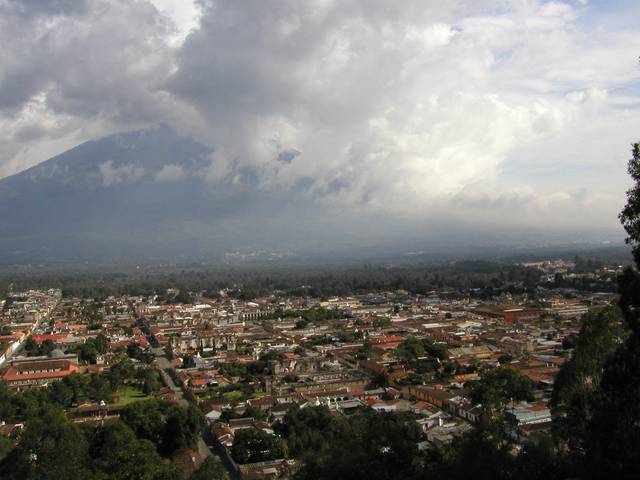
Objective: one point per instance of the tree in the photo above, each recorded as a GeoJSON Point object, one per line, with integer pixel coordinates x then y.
{"type": "Point", "coordinates": [505, 358]}
{"type": "Point", "coordinates": [145, 419]}
{"type": "Point", "coordinates": [102, 343]}
{"type": "Point", "coordinates": [87, 352]}
{"type": "Point", "coordinates": [116, 451]}
{"type": "Point", "coordinates": [6, 446]}
{"type": "Point", "coordinates": [34, 350]}
{"type": "Point", "coordinates": [182, 428]}
{"type": "Point", "coordinates": [572, 402]}
{"type": "Point", "coordinates": [630, 215]}
{"type": "Point", "coordinates": [252, 445]}
{"type": "Point", "coordinates": [367, 445]}
{"type": "Point", "coordinates": [380, 380]}
{"type": "Point", "coordinates": [188, 361]}
{"type": "Point", "coordinates": [367, 350]}
{"type": "Point", "coordinates": [302, 324]}
{"type": "Point", "coordinates": [410, 349]}
{"type": "Point", "coordinates": [151, 382]}
{"type": "Point", "coordinates": [499, 386]}
{"type": "Point", "coordinates": [436, 350]}
{"type": "Point", "coordinates": [50, 447]}
{"type": "Point", "coordinates": [211, 469]}
{"type": "Point", "coordinates": [60, 393]}
{"type": "Point", "coordinates": [309, 429]}
{"type": "Point", "coordinates": [614, 432]}
{"type": "Point", "coordinates": [184, 296]}
{"type": "Point", "coordinates": [120, 372]}
{"type": "Point", "coordinates": [474, 455]}
{"type": "Point", "coordinates": [8, 301]}
{"type": "Point", "coordinates": [30, 345]}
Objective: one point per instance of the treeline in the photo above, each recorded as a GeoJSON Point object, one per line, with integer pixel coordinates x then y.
{"type": "Point", "coordinates": [324, 281]}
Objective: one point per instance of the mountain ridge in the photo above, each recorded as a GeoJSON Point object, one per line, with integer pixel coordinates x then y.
{"type": "Point", "coordinates": [146, 194]}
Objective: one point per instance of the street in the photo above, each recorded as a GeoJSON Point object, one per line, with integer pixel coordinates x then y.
{"type": "Point", "coordinates": [163, 363]}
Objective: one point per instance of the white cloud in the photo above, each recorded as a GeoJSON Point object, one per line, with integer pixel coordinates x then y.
{"type": "Point", "coordinates": [185, 15]}
{"type": "Point", "coordinates": [114, 175]}
{"type": "Point", "coordinates": [169, 173]}
{"type": "Point", "coordinates": [412, 107]}
{"type": "Point", "coordinates": [401, 112]}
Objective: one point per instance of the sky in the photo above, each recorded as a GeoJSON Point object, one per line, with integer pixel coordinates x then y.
{"type": "Point", "coordinates": [506, 112]}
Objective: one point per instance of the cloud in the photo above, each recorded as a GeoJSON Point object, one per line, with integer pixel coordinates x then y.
{"type": "Point", "coordinates": [404, 106]}
{"type": "Point", "coordinates": [77, 70]}
{"type": "Point", "coordinates": [170, 173]}
{"type": "Point", "coordinates": [409, 109]}
{"type": "Point", "coordinates": [114, 175]}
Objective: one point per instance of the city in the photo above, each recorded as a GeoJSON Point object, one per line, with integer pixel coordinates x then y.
{"type": "Point", "coordinates": [249, 365]}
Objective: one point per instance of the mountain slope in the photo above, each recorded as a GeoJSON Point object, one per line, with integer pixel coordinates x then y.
{"type": "Point", "coordinates": [132, 194]}
{"type": "Point", "coordinates": [145, 196]}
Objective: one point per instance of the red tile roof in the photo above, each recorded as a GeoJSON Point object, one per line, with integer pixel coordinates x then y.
{"type": "Point", "coordinates": [41, 370]}
{"type": "Point", "coordinates": [54, 337]}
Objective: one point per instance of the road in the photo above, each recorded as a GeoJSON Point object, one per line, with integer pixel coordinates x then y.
{"type": "Point", "coordinates": [164, 364]}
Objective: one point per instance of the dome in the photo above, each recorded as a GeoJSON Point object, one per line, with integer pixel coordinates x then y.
{"type": "Point", "coordinates": [57, 353]}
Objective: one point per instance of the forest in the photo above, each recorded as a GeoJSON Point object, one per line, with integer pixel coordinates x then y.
{"type": "Point", "coordinates": [479, 278]}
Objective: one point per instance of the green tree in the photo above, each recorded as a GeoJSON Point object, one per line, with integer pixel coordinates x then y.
{"type": "Point", "coordinates": [87, 352]}
{"type": "Point", "coordinates": [6, 446]}
{"type": "Point", "coordinates": [50, 448]}
{"type": "Point", "coordinates": [367, 350]}
{"type": "Point", "coordinates": [410, 349]}
{"type": "Point", "coordinates": [102, 343]}
{"type": "Point", "coordinates": [252, 445]}
{"type": "Point", "coordinates": [182, 428]}
{"type": "Point", "coordinates": [117, 452]}
{"type": "Point", "coordinates": [60, 393]}
{"type": "Point", "coordinates": [436, 350]}
{"type": "Point", "coordinates": [146, 419]}
{"type": "Point", "coordinates": [211, 469]}
{"type": "Point", "coordinates": [380, 380]}
{"type": "Point", "coordinates": [474, 455]}
{"type": "Point", "coordinates": [614, 432]}
{"type": "Point", "coordinates": [499, 386]}
{"type": "Point", "coordinates": [121, 372]}
{"type": "Point", "coordinates": [309, 429]}
{"type": "Point", "coordinates": [188, 361]}
{"type": "Point", "coordinates": [572, 402]}
{"type": "Point", "coordinates": [367, 445]}
{"type": "Point", "coordinates": [30, 345]}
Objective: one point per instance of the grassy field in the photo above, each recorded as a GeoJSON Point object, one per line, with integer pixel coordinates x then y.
{"type": "Point", "coordinates": [127, 395]}
{"type": "Point", "coordinates": [232, 395]}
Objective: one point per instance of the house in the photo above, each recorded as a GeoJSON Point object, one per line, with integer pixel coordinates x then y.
{"type": "Point", "coordinates": [434, 396]}
{"type": "Point", "coordinates": [38, 373]}
{"type": "Point", "coordinates": [11, 430]}
{"type": "Point", "coordinates": [509, 313]}
{"type": "Point", "coordinates": [280, 468]}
